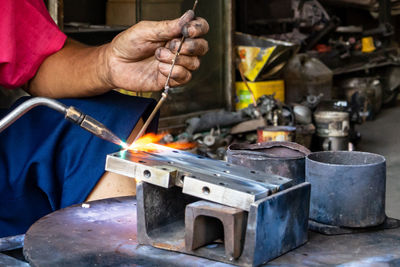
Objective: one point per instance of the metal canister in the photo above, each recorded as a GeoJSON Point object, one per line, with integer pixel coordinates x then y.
{"type": "Point", "coordinates": [347, 188]}
{"type": "Point", "coordinates": [286, 159]}
{"type": "Point", "coordinates": [332, 129]}
{"type": "Point", "coordinates": [276, 133]}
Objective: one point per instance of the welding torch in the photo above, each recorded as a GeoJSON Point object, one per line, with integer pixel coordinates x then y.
{"type": "Point", "coordinates": [71, 113]}
{"type": "Point", "coordinates": [164, 94]}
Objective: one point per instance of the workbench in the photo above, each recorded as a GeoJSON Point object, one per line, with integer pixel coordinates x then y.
{"type": "Point", "coordinates": [103, 233]}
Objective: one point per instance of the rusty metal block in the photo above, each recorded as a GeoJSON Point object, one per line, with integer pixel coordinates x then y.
{"type": "Point", "coordinates": [202, 227]}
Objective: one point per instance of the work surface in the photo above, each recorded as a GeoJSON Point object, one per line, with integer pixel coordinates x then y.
{"type": "Point", "coordinates": [105, 235]}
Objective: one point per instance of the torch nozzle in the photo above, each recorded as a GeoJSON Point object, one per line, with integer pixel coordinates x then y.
{"type": "Point", "coordinates": [93, 126]}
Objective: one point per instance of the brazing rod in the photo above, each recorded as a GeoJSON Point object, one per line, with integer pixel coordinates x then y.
{"type": "Point", "coordinates": [164, 94]}
{"type": "Point", "coordinates": [71, 113]}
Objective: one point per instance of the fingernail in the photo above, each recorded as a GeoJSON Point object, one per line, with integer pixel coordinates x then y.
{"type": "Point", "coordinates": [172, 45]}
{"type": "Point", "coordinates": [158, 52]}
{"type": "Point", "coordinates": [188, 16]}
{"type": "Point", "coordinates": [185, 30]}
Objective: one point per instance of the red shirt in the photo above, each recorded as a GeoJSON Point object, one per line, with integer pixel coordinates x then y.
{"type": "Point", "coordinates": [27, 36]}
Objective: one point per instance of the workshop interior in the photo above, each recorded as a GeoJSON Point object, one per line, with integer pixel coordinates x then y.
{"type": "Point", "coordinates": [281, 151]}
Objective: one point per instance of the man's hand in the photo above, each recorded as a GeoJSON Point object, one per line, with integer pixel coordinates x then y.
{"type": "Point", "coordinates": [140, 58]}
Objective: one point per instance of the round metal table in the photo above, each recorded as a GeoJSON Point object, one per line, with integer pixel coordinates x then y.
{"type": "Point", "coordinates": [104, 234]}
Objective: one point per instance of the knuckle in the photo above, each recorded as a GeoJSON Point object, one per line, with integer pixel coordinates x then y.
{"type": "Point", "coordinates": [159, 53]}
{"type": "Point", "coordinates": [188, 76]}
{"type": "Point", "coordinates": [196, 63]}
{"type": "Point", "coordinates": [205, 46]}
{"type": "Point", "coordinates": [143, 23]}
{"type": "Point", "coordinates": [192, 48]}
{"type": "Point", "coordinates": [206, 26]}
{"type": "Point", "coordinates": [173, 45]}
{"type": "Point", "coordinates": [186, 30]}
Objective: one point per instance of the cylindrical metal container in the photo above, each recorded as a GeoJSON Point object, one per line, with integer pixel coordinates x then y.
{"type": "Point", "coordinates": [332, 129]}
{"type": "Point", "coordinates": [304, 76]}
{"type": "Point", "coordinates": [332, 123]}
{"type": "Point", "coordinates": [347, 188]}
{"type": "Point", "coordinates": [276, 133]}
{"type": "Point", "coordinates": [286, 159]}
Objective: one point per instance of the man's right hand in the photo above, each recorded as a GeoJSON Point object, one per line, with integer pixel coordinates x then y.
{"type": "Point", "coordinates": [140, 58]}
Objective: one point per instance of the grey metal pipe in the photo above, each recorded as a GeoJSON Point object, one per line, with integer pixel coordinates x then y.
{"type": "Point", "coordinates": [11, 242]}
{"type": "Point", "coordinates": [71, 113]}
{"type": "Point", "coordinates": [27, 106]}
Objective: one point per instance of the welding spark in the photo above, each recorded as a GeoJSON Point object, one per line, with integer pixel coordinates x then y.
{"type": "Point", "coordinates": [152, 142]}
{"type": "Point", "coordinates": [124, 145]}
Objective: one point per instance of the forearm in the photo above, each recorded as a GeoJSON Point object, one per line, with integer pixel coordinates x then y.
{"type": "Point", "coordinates": [74, 71]}
{"type": "Point", "coordinates": [138, 59]}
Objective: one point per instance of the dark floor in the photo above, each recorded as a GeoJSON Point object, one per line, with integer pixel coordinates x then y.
{"type": "Point", "coordinates": [382, 136]}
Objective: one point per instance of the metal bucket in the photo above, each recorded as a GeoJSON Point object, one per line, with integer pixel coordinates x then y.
{"type": "Point", "coordinates": [286, 159]}
{"type": "Point", "coordinates": [347, 188]}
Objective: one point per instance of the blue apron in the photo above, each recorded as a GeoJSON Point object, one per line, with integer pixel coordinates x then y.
{"type": "Point", "coordinates": [48, 163]}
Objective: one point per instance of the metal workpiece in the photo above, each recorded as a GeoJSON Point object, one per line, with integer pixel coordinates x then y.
{"type": "Point", "coordinates": [161, 216]}
{"type": "Point", "coordinates": [186, 202]}
{"type": "Point", "coordinates": [142, 168]}
{"type": "Point", "coordinates": [223, 191]}
{"type": "Point", "coordinates": [206, 222]}
{"type": "Point", "coordinates": [348, 188]}
{"type": "Point", "coordinates": [285, 159]}
{"type": "Point", "coordinates": [213, 180]}
{"type": "Point", "coordinates": [274, 225]}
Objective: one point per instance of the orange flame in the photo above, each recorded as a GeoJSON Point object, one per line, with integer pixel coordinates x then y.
{"type": "Point", "coordinates": [148, 141]}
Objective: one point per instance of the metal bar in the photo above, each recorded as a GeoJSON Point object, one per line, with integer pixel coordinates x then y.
{"type": "Point", "coordinates": [213, 180]}
{"type": "Point", "coordinates": [56, 10]}
{"type": "Point", "coordinates": [230, 54]}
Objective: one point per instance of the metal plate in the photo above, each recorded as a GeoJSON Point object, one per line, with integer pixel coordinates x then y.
{"type": "Point", "coordinates": [213, 180]}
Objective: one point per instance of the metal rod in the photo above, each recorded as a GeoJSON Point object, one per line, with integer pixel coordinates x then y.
{"type": "Point", "coordinates": [164, 94]}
